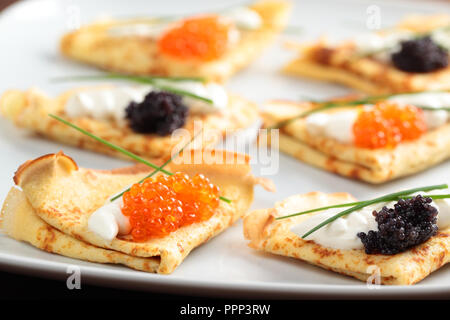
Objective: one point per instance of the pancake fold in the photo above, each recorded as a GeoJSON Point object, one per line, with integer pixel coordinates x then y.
{"type": "Point", "coordinates": [52, 209]}
{"type": "Point", "coordinates": [93, 45]}
{"type": "Point", "coordinates": [371, 165]}
{"type": "Point", "coordinates": [265, 233]}
{"type": "Point", "coordinates": [339, 63]}
{"type": "Point", "coordinates": [29, 109]}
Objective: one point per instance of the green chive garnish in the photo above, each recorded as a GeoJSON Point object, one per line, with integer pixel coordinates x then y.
{"type": "Point", "coordinates": [433, 109]}
{"type": "Point", "coordinates": [119, 149]}
{"type": "Point", "coordinates": [161, 167]}
{"type": "Point", "coordinates": [151, 80]}
{"type": "Point", "coordinates": [362, 204]}
{"type": "Point", "coordinates": [118, 76]}
{"type": "Point", "coordinates": [349, 204]}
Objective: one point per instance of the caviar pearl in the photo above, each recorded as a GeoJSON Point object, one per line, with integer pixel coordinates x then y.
{"type": "Point", "coordinates": [409, 223]}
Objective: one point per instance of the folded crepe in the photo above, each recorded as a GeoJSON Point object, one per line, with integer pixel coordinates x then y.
{"type": "Point", "coordinates": [135, 54]}
{"type": "Point", "coordinates": [275, 236]}
{"type": "Point", "coordinates": [370, 165]}
{"type": "Point", "coordinates": [56, 199]}
{"type": "Point", "coordinates": [340, 63]}
{"type": "Point", "coordinates": [29, 109]}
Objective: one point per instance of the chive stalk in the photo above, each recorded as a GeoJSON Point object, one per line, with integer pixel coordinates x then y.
{"type": "Point", "coordinates": [119, 149]}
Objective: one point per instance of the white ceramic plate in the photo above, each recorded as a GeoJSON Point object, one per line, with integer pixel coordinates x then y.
{"type": "Point", "coordinates": [224, 266]}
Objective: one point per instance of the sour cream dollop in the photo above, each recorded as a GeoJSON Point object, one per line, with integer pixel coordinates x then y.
{"type": "Point", "coordinates": [245, 18]}
{"type": "Point", "coordinates": [108, 221]}
{"type": "Point", "coordinates": [105, 103]}
{"type": "Point", "coordinates": [375, 42]}
{"type": "Point", "coordinates": [338, 125]}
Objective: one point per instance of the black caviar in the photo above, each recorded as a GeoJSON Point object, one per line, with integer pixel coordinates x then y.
{"type": "Point", "coordinates": [420, 55]}
{"type": "Point", "coordinates": [409, 223]}
{"type": "Point", "coordinates": [160, 112]}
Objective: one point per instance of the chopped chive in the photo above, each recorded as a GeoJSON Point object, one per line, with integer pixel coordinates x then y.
{"type": "Point", "coordinates": [119, 149]}
{"type": "Point", "coordinates": [373, 201]}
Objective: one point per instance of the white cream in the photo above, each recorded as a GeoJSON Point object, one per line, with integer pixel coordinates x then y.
{"type": "Point", "coordinates": [148, 30]}
{"type": "Point", "coordinates": [110, 103]}
{"type": "Point", "coordinates": [338, 125]}
{"type": "Point", "coordinates": [244, 17]}
{"type": "Point", "coordinates": [212, 91]}
{"type": "Point", "coordinates": [443, 205]}
{"type": "Point", "coordinates": [442, 37]}
{"type": "Point", "coordinates": [106, 103]}
{"type": "Point", "coordinates": [108, 221]}
{"type": "Point", "coordinates": [342, 233]}
{"type": "Point", "coordinates": [374, 42]}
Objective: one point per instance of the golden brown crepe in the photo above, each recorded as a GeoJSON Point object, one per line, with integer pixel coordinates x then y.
{"type": "Point", "coordinates": [274, 236]}
{"type": "Point", "coordinates": [57, 199]}
{"type": "Point", "coordinates": [29, 109]}
{"type": "Point", "coordinates": [371, 165]}
{"type": "Point", "coordinates": [140, 55]}
{"type": "Point", "coordinates": [340, 64]}
{"type": "Point", "coordinates": [21, 222]}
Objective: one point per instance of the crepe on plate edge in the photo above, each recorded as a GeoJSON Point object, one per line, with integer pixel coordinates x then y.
{"type": "Point", "coordinates": [406, 268]}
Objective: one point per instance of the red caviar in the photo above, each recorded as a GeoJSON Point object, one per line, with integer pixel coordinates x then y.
{"type": "Point", "coordinates": [160, 206]}
{"type": "Point", "coordinates": [203, 38]}
{"type": "Point", "coordinates": [387, 124]}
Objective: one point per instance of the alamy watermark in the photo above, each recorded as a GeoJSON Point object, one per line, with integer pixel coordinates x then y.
{"type": "Point", "coordinates": [73, 21]}
{"type": "Point", "coordinates": [374, 280]}
{"type": "Point", "coordinates": [373, 20]}
{"type": "Point", "coordinates": [74, 279]}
